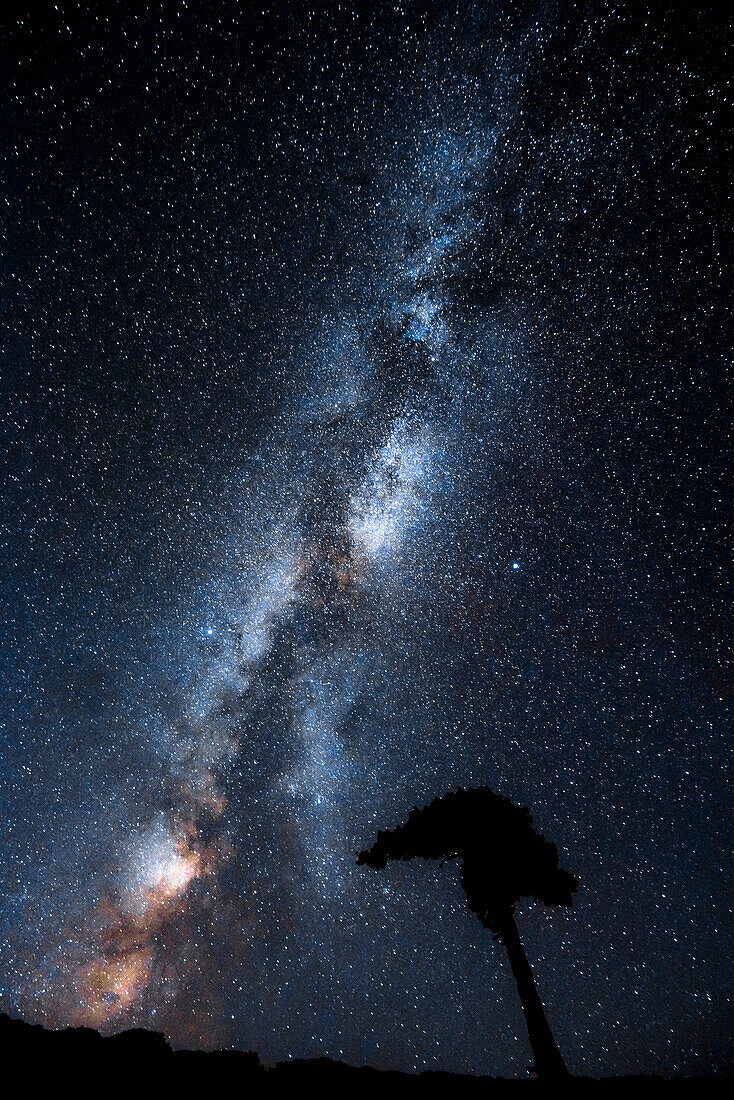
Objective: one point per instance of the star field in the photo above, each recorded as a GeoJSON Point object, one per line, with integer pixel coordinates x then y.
{"type": "Point", "coordinates": [362, 426]}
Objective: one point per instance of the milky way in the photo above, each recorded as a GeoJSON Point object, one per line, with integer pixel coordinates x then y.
{"type": "Point", "coordinates": [362, 436]}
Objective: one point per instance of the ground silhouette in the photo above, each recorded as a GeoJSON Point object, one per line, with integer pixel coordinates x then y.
{"type": "Point", "coordinates": [52, 1061]}
{"type": "Point", "coordinates": [503, 859]}
{"type": "Point", "coordinates": [55, 1061]}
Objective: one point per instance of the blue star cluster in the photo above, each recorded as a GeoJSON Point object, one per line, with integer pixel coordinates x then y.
{"type": "Point", "coordinates": [362, 420]}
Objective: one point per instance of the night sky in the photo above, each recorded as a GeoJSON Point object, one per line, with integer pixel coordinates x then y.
{"type": "Point", "coordinates": [362, 420]}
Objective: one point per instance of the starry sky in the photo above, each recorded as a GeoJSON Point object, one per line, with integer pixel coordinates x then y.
{"type": "Point", "coordinates": [362, 425]}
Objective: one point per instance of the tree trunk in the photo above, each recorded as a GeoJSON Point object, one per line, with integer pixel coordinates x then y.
{"type": "Point", "coordinates": [546, 1055]}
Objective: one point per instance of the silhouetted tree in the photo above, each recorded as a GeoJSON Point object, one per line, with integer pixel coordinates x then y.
{"type": "Point", "coordinates": [503, 859]}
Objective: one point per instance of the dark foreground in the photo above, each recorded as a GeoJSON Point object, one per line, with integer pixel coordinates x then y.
{"type": "Point", "coordinates": [136, 1056]}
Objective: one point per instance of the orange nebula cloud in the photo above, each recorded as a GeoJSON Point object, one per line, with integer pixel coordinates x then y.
{"type": "Point", "coordinates": [111, 984]}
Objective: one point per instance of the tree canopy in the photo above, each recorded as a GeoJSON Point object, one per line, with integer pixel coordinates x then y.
{"type": "Point", "coordinates": [503, 859]}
